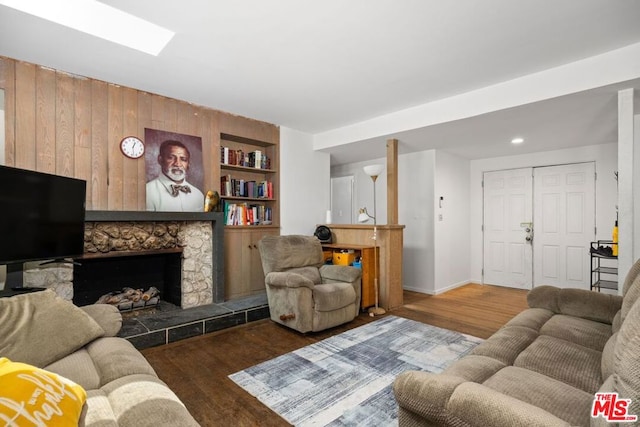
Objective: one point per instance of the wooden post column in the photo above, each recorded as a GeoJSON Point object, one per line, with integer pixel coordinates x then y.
{"type": "Point", "coordinates": [392, 181]}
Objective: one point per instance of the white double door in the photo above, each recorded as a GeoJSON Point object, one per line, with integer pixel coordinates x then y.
{"type": "Point", "coordinates": [537, 226]}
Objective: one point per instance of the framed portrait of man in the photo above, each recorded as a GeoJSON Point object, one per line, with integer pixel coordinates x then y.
{"type": "Point", "coordinates": [174, 172]}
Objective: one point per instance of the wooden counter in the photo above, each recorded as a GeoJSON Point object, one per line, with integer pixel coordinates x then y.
{"type": "Point", "coordinates": [390, 243]}
{"type": "Point", "coordinates": [369, 263]}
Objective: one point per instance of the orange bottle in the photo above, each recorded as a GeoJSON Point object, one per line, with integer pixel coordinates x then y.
{"type": "Point", "coordinates": [614, 246]}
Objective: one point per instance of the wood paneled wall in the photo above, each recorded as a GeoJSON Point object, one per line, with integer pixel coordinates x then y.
{"type": "Point", "coordinates": [72, 126]}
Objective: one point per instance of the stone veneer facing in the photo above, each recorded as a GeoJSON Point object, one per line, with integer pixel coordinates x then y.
{"type": "Point", "coordinates": [194, 237]}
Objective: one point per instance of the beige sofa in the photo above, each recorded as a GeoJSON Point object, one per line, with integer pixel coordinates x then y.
{"type": "Point", "coordinates": [542, 368]}
{"type": "Point", "coordinates": [80, 344]}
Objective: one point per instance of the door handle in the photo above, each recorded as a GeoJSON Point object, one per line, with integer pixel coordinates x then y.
{"type": "Point", "coordinates": [528, 230]}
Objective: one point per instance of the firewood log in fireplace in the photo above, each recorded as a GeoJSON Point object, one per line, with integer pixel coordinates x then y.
{"type": "Point", "coordinates": [128, 298]}
{"type": "Point", "coordinates": [150, 293]}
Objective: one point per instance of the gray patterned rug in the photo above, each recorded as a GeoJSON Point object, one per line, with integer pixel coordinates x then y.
{"type": "Point", "coordinates": [346, 380]}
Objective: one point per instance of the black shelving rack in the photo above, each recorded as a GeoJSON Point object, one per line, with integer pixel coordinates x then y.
{"type": "Point", "coordinates": [603, 275]}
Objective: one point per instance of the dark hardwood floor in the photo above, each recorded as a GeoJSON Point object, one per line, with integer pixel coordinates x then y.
{"type": "Point", "coordinates": [196, 369]}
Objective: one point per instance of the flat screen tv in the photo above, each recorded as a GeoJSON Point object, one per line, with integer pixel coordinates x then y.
{"type": "Point", "coordinates": [42, 216]}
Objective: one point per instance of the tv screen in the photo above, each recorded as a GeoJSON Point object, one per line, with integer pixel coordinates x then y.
{"type": "Point", "coordinates": [42, 216]}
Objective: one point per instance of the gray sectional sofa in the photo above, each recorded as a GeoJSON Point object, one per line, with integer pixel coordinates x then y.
{"type": "Point", "coordinates": [80, 344]}
{"type": "Point", "coordinates": [543, 368]}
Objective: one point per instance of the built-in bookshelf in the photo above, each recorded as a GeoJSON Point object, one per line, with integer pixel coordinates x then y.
{"type": "Point", "coordinates": [249, 188]}
{"type": "Point", "coordinates": [248, 181]}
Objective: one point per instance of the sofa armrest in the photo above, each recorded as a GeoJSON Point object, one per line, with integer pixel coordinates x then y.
{"type": "Point", "coordinates": [425, 394]}
{"type": "Point", "coordinates": [340, 273]}
{"type": "Point", "coordinates": [576, 302]}
{"type": "Point", "coordinates": [477, 405]}
{"type": "Point", "coordinates": [441, 399]}
{"type": "Point", "coordinates": [284, 279]}
{"type": "Point", "coordinates": [105, 315]}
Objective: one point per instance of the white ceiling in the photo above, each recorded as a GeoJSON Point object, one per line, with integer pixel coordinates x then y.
{"type": "Point", "coordinates": [316, 66]}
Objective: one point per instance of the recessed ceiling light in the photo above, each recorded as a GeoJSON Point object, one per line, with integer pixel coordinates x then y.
{"type": "Point", "coordinates": [517, 140]}
{"type": "Point", "coordinates": [100, 20]}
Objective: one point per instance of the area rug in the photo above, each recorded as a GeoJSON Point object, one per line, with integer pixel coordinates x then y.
{"type": "Point", "coordinates": [346, 380]}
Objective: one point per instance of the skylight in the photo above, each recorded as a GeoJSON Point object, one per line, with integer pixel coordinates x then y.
{"type": "Point", "coordinates": [100, 20]}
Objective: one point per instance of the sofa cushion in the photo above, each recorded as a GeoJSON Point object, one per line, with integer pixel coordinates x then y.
{"type": "Point", "coordinates": [310, 273]}
{"type": "Point", "coordinates": [617, 322]}
{"type": "Point", "coordinates": [39, 328]}
{"type": "Point", "coordinates": [115, 358]}
{"type": "Point", "coordinates": [587, 333]}
{"type": "Point", "coordinates": [107, 316]}
{"type": "Point", "coordinates": [582, 303]}
{"type": "Point", "coordinates": [507, 343]}
{"type": "Point", "coordinates": [632, 293]}
{"type": "Point", "coordinates": [474, 404]}
{"type": "Point", "coordinates": [34, 396]}
{"type": "Point", "coordinates": [560, 399]}
{"type": "Point", "coordinates": [608, 359]}
{"type": "Point", "coordinates": [631, 276]}
{"type": "Point", "coordinates": [145, 401]}
{"type": "Point", "coordinates": [97, 411]}
{"type": "Point", "coordinates": [333, 296]}
{"type": "Point", "coordinates": [79, 368]}
{"type": "Point", "coordinates": [474, 368]}
{"type": "Point", "coordinates": [564, 361]}
{"type": "Point", "coordinates": [280, 253]}
{"type": "Point", "coordinates": [339, 273]}
{"type": "Point", "coordinates": [626, 375]}
{"type": "Point", "coordinates": [533, 318]}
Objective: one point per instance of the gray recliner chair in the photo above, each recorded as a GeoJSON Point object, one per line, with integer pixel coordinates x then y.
{"type": "Point", "coordinates": [303, 293]}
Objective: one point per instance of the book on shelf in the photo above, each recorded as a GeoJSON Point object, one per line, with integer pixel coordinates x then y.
{"type": "Point", "coordinates": [232, 187]}
{"type": "Point", "coordinates": [229, 156]}
{"type": "Point", "coordinates": [246, 214]}
{"type": "Point", "coordinates": [256, 159]}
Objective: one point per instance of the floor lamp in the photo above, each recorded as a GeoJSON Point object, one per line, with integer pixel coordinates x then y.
{"type": "Point", "coordinates": [373, 171]}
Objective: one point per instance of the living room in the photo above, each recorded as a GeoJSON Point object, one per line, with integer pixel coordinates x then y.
{"type": "Point", "coordinates": [50, 127]}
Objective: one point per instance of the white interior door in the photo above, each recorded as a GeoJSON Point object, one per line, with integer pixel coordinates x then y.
{"type": "Point", "coordinates": [507, 216]}
{"type": "Point", "coordinates": [564, 218]}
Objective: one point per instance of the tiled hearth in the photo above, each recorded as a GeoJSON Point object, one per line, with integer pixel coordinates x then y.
{"type": "Point", "coordinates": [169, 326]}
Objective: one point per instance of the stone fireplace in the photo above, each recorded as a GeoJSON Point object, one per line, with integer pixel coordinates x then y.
{"type": "Point", "coordinates": [180, 252]}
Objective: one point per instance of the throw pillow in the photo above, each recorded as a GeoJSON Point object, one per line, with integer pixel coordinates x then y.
{"type": "Point", "coordinates": [32, 396]}
{"type": "Point", "coordinates": [39, 328]}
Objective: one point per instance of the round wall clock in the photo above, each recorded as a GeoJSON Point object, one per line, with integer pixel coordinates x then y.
{"type": "Point", "coordinates": [132, 147]}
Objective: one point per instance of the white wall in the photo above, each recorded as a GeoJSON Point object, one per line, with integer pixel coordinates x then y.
{"type": "Point", "coordinates": [441, 255]}
{"type": "Point", "coordinates": [416, 173]}
{"type": "Point", "coordinates": [416, 178]}
{"type": "Point", "coordinates": [304, 183]}
{"type": "Point", "coordinates": [451, 225]}
{"type": "Point", "coordinates": [636, 181]}
{"type": "Point", "coordinates": [363, 187]}
{"type": "Point", "coordinates": [625, 183]}
{"type": "Point", "coordinates": [605, 158]}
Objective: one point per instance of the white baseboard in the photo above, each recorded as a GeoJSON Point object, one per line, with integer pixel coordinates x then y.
{"type": "Point", "coordinates": [437, 291]}
{"type": "Point", "coordinates": [418, 290]}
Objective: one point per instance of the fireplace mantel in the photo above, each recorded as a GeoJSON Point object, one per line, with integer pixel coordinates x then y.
{"type": "Point", "coordinates": [217, 229]}
{"type": "Point", "coordinates": [104, 216]}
